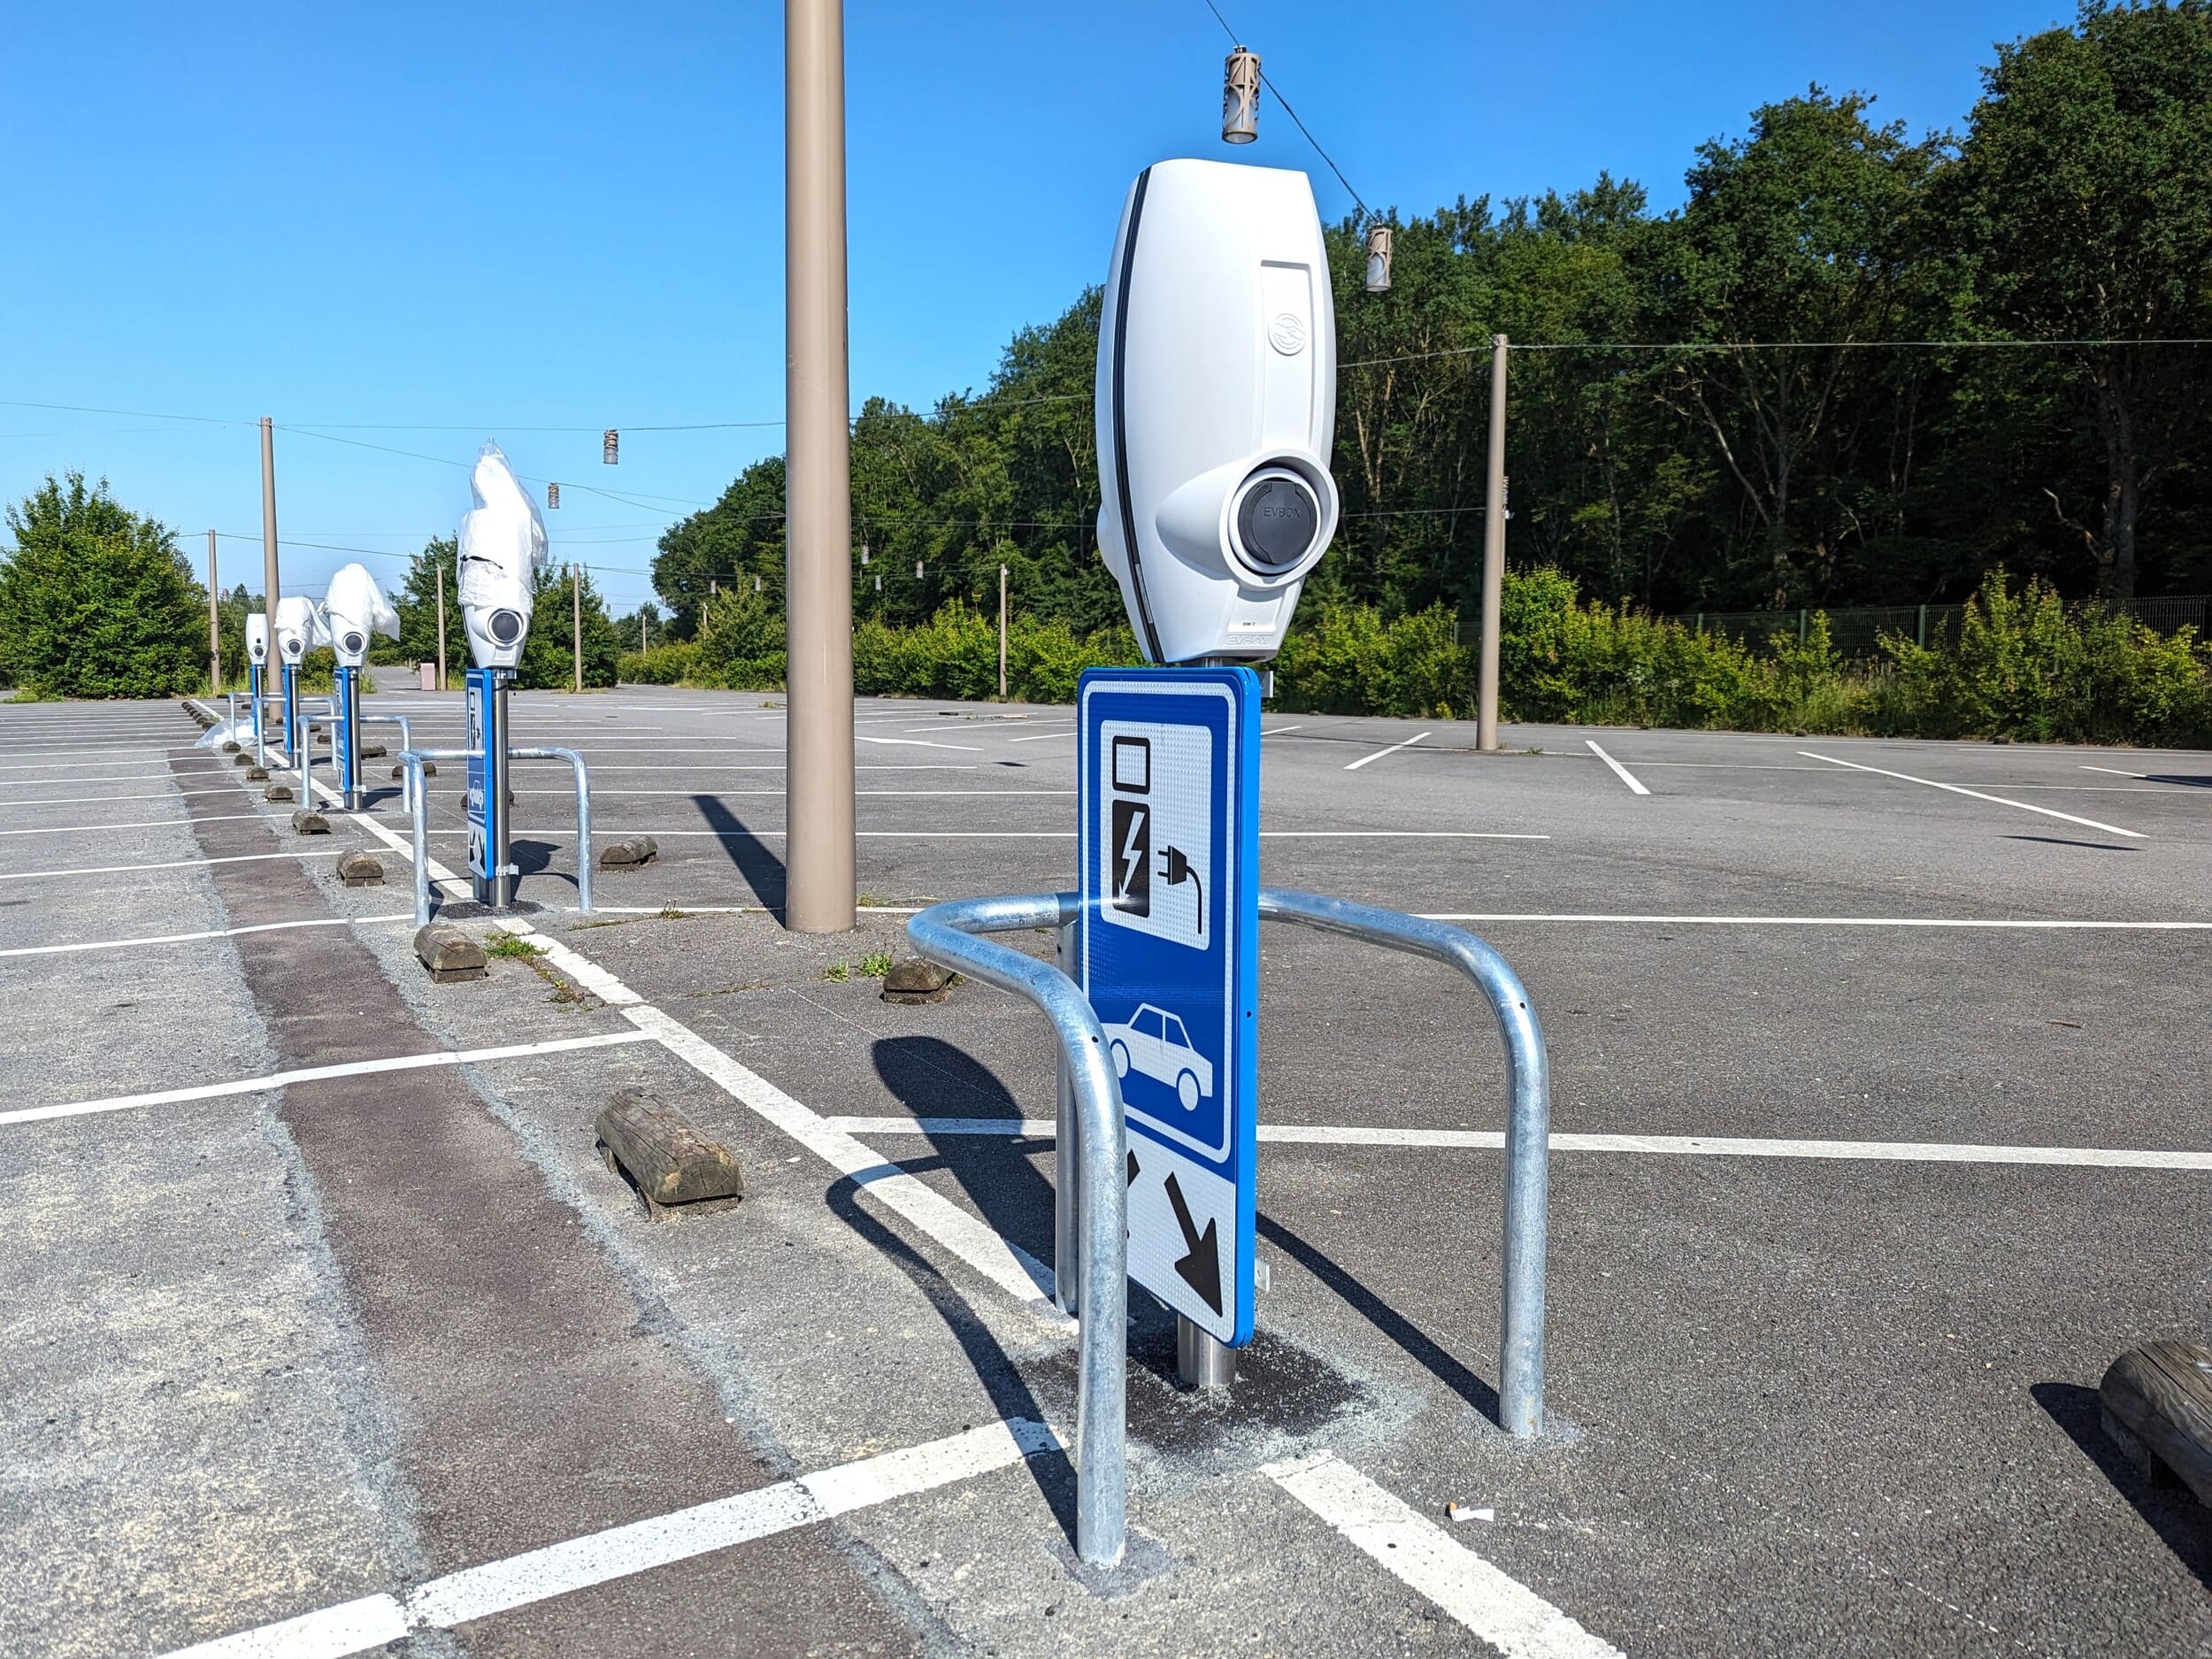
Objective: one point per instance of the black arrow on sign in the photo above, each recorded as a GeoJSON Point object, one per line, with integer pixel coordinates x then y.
{"type": "Point", "coordinates": [1201, 1268]}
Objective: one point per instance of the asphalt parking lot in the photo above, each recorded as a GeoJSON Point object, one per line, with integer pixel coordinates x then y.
{"type": "Point", "coordinates": [1880, 1130]}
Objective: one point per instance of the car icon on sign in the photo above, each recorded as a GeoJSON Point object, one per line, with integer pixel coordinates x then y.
{"type": "Point", "coordinates": [1154, 1044]}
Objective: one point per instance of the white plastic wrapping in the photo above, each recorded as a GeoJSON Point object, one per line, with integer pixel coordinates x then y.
{"type": "Point", "coordinates": [239, 732]}
{"type": "Point", "coordinates": [299, 627]}
{"type": "Point", "coordinates": [354, 609]}
{"type": "Point", "coordinates": [502, 546]}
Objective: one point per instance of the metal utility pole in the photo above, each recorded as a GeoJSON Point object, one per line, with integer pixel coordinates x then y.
{"type": "Point", "coordinates": [1002, 633]}
{"type": "Point", "coordinates": [214, 628]}
{"type": "Point", "coordinates": [576, 620]}
{"type": "Point", "coordinates": [1493, 555]}
{"type": "Point", "coordinates": [819, 846]}
{"type": "Point", "coordinates": [268, 529]}
{"type": "Point", "coordinates": [441, 571]}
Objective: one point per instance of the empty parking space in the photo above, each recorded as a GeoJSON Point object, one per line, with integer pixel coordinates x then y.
{"type": "Point", "coordinates": [1875, 1097]}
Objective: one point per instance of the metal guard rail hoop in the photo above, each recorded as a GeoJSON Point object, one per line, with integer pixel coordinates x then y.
{"type": "Point", "coordinates": [945, 934]}
{"type": "Point", "coordinates": [1527, 1129]}
{"type": "Point", "coordinates": [410, 762]}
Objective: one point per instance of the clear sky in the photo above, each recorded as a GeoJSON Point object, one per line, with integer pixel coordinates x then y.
{"type": "Point", "coordinates": [414, 226]}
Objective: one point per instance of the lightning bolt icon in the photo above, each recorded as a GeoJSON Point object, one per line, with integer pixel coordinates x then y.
{"type": "Point", "coordinates": [1131, 856]}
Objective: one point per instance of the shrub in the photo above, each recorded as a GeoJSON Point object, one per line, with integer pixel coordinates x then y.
{"type": "Point", "coordinates": [96, 601]}
{"type": "Point", "coordinates": [667, 664]}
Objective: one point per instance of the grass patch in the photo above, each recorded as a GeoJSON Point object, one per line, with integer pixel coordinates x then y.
{"type": "Point", "coordinates": [510, 948]}
{"type": "Point", "coordinates": [838, 973]}
{"type": "Point", "coordinates": [876, 964]}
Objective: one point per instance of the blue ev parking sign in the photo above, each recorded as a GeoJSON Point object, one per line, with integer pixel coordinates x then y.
{"type": "Point", "coordinates": [1168, 957]}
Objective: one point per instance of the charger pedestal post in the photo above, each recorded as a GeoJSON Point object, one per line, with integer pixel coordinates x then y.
{"type": "Point", "coordinates": [491, 869]}
{"type": "Point", "coordinates": [345, 743]}
{"type": "Point", "coordinates": [291, 709]}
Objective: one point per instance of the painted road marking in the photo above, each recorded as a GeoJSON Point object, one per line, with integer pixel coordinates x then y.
{"type": "Point", "coordinates": [2055, 923]}
{"type": "Point", "coordinates": [143, 823]}
{"type": "Point", "coordinates": [1016, 835]}
{"type": "Point", "coordinates": [1394, 748]}
{"type": "Point", "coordinates": [97, 800]}
{"type": "Point", "coordinates": [316, 1074]}
{"type": "Point", "coordinates": [175, 864]}
{"type": "Point", "coordinates": [618, 1552]}
{"type": "Point", "coordinates": [1619, 771]}
{"type": "Point", "coordinates": [1038, 737]}
{"type": "Point", "coordinates": [2023, 806]}
{"type": "Point", "coordinates": [921, 742]}
{"type": "Point", "coordinates": [1499, 1608]}
{"type": "Point", "coordinates": [1672, 1146]}
{"type": "Point", "coordinates": [999, 1260]}
{"type": "Point", "coordinates": [213, 932]}
{"type": "Point", "coordinates": [1277, 731]}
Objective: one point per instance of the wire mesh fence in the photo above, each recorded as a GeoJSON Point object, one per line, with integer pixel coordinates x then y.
{"type": "Point", "coordinates": [1857, 632]}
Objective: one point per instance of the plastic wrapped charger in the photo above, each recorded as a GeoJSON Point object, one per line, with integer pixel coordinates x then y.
{"type": "Point", "coordinates": [501, 547]}
{"type": "Point", "coordinates": [299, 627]}
{"type": "Point", "coordinates": [354, 609]}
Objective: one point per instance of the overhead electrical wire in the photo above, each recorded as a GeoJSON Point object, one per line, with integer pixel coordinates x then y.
{"type": "Point", "coordinates": [1235, 39]}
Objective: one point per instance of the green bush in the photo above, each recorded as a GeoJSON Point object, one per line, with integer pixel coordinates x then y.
{"type": "Point", "coordinates": [2024, 666]}
{"type": "Point", "coordinates": [669, 665]}
{"type": "Point", "coordinates": [96, 601]}
{"type": "Point", "coordinates": [740, 644]}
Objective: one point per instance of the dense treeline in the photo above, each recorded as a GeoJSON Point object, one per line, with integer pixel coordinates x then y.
{"type": "Point", "coordinates": [1663, 448]}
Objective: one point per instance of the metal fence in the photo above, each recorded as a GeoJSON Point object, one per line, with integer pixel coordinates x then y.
{"type": "Point", "coordinates": [1857, 632]}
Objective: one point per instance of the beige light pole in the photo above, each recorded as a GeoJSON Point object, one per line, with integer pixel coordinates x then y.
{"type": "Point", "coordinates": [214, 628]}
{"type": "Point", "coordinates": [1001, 633]}
{"type": "Point", "coordinates": [1493, 555]}
{"type": "Point", "coordinates": [439, 569]}
{"type": "Point", "coordinates": [818, 582]}
{"type": "Point", "coordinates": [576, 620]}
{"type": "Point", "coordinates": [268, 528]}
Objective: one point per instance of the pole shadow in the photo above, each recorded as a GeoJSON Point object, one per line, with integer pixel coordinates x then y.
{"type": "Point", "coordinates": [1418, 1345]}
{"type": "Point", "coordinates": [2059, 841]}
{"type": "Point", "coordinates": [1011, 1395]}
{"type": "Point", "coordinates": [763, 870]}
{"type": "Point", "coordinates": [935, 1078]}
{"type": "Point", "coordinates": [2171, 1510]}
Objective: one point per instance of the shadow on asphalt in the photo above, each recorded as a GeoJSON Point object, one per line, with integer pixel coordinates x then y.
{"type": "Point", "coordinates": [763, 870]}
{"type": "Point", "coordinates": [2059, 841]}
{"type": "Point", "coordinates": [1010, 1396]}
{"type": "Point", "coordinates": [935, 1078]}
{"type": "Point", "coordinates": [1423, 1349]}
{"type": "Point", "coordinates": [2169, 1508]}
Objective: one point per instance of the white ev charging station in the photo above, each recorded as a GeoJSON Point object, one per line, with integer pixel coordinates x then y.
{"type": "Point", "coordinates": [353, 608]}
{"type": "Point", "coordinates": [1216, 408]}
{"type": "Point", "coordinates": [502, 546]}
{"type": "Point", "coordinates": [1215, 402]}
{"type": "Point", "coordinates": [257, 654]}
{"type": "Point", "coordinates": [299, 630]}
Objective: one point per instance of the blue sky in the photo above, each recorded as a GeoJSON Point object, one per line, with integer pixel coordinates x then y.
{"type": "Point", "coordinates": [415, 226]}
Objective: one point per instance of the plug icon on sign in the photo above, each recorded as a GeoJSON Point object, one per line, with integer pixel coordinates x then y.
{"type": "Point", "coordinates": [1175, 870]}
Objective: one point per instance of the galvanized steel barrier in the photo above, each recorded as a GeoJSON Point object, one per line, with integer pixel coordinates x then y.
{"type": "Point", "coordinates": [1091, 1199]}
{"type": "Point", "coordinates": [945, 933]}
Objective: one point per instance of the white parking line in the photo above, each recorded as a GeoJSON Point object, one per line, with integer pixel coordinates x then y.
{"type": "Point", "coordinates": [1038, 737]}
{"type": "Point", "coordinates": [1394, 748]}
{"type": "Point", "coordinates": [1667, 1145]}
{"type": "Point", "coordinates": [917, 743]}
{"type": "Point", "coordinates": [539, 1575]}
{"type": "Point", "coordinates": [1496, 1607]}
{"type": "Point", "coordinates": [315, 1074]}
{"type": "Point", "coordinates": [1619, 771]}
{"type": "Point", "coordinates": [212, 933]}
{"type": "Point", "coordinates": [98, 800]}
{"type": "Point", "coordinates": [2023, 806]}
{"type": "Point", "coordinates": [2031, 924]}
{"type": "Point", "coordinates": [1277, 731]}
{"type": "Point", "coordinates": [143, 823]}
{"type": "Point", "coordinates": [175, 864]}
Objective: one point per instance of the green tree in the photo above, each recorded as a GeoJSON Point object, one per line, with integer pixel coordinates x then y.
{"type": "Point", "coordinates": [418, 607]}
{"type": "Point", "coordinates": [548, 655]}
{"type": "Point", "coordinates": [96, 600]}
{"type": "Point", "coordinates": [2081, 213]}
